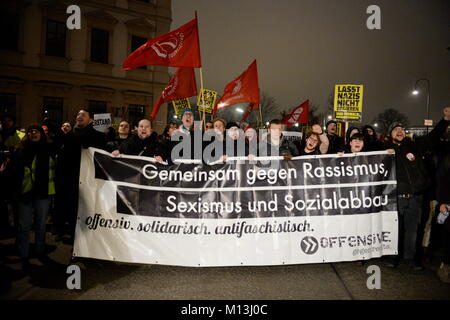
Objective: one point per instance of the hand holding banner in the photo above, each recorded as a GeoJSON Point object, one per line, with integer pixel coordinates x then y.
{"type": "Point", "coordinates": [312, 209]}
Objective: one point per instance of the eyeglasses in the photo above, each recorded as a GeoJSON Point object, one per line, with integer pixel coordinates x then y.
{"type": "Point", "coordinates": [312, 139]}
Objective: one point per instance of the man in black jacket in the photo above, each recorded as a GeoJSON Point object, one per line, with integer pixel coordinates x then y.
{"type": "Point", "coordinates": [275, 145]}
{"type": "Point", "coordinates": [371, 142]}
{"type": "Point", "coordinates": [336, 142]}
{"type": "Point", "coordinates": [412, 181]}
{"type": "Point", "coordinates": [143, 143]}
{"type": "Point", "coordinates": [68, 168]}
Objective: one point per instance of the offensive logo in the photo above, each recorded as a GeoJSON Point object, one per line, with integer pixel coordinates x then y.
{"type": "Point", "coordinates": [170, 47]}
{"type": "Point", "coordinates": [309, 245]}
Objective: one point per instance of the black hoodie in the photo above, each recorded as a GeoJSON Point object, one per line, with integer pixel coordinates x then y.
{"type": "Point", "coordinates": [371, 142]}
{"type": "Point", "coordinates": [412, 175]}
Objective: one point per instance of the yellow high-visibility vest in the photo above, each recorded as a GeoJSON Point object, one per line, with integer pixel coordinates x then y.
{"type": "Point", "coordinates": [14, 140]}
{"type": "Point", "coordinates": [29, 177]}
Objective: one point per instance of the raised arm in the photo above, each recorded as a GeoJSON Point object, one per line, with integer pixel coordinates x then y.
{"type": "Point", "coordinates": [324, 142]}
{"type": "Point", "coordinates": [432, 139]}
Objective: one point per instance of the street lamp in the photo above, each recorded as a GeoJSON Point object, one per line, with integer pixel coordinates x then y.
{"type": "Point", "coordinates": [375, 125]}
{"type": "Point", "coordinates": [329, 117]}
{"type": "Point", "coordinates": [416, 92]}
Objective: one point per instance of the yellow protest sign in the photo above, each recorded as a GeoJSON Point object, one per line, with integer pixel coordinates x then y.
{"type": "Point", "coordinates": [180, 105]}
{"type": "Point", "coordinates": [206, 100]}
{"type": "Point", "coordinates": [348, 102]}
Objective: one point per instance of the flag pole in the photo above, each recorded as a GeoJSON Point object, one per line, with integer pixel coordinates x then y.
{"type": "Point", "coordinates": [202, 99]}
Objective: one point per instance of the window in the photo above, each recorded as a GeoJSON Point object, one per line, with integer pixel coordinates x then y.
{"type": "Point", "coordinates": [8, 103]}
{"type": "Point", "coordinates": [96, 106]}
{"type": "Point", "coordinates": [9, 31]}
{"type": "Point", "coordinates": [99, 45]}
{"type": "Point", "coordinates": [53, 109]}
{"type": "Point", "coordinates": [135, 113]}
{"type": "Point", "coordinates": [136, 42]}
{"type": "Point", "coordinates": [55, 44]}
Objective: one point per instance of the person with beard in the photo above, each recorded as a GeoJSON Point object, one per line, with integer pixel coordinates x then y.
{"type": "Point", "coordinates": [81, 137]}
{"type": "Point", "coordinates": [143, 143]}
{"type": "Point", "coordinates": [371, 141]}
{"type": "Point", "coordinates": [336, 142]}
{"type": "Point", "coordinates": [412, 182]}
{"type": "Point", "coordinates": [34, 167]}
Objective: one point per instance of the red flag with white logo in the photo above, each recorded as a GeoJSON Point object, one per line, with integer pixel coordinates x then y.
{"type": "Point", "coordinates": [181, 85]}
{"type": "Point", "coordinates": [178, 48]}
{"type": "Point", "coordinates": [298, 115]}
{"type": "Point", "coordinates": [244, 88]}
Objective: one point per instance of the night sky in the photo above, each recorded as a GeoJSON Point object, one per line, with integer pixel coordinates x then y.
{"type": "Point", "coordinates": [305, 47]}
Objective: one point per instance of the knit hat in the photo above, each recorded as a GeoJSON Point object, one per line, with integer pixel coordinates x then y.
{"type": "Point", "coordinates": [349, 131]}
{"type": "Point", "coordinates": [331, 121]}
{"type": "Point", "coordinates": [393, 126]}
{"type": "Point", "coordinates": [231, 124]}
{"type": "Point", "coordinates": [188, 110]}
{"type": "Point", "coordinates": [35, 127]}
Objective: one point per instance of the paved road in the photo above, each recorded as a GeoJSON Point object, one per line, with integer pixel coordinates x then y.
{"type": "Point", "coordinates": [109, 280]}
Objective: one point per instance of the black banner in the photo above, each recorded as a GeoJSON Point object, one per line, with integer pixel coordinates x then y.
{"type": "Point", "coordinates": [310, 186]}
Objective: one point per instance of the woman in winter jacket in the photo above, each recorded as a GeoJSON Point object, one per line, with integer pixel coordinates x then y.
{"type": "Point", "coordinates": [35, 183]}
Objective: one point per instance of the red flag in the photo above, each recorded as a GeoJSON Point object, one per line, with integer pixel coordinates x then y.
{"type": "Point", "coordinates": [244, 88]}
{"type": "Point", "coordinates": [178, 48]}
{"type": "Point", "coordinates": [182, 85]}
{"type": "Point", "coordinates": [298, 115]}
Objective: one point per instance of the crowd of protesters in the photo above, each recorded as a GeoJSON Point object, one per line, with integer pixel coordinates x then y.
{"type": "Point", "coordinates": [40, 169]}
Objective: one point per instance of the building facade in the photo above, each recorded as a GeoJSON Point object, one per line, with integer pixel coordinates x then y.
{"type": "Point", "coordinates": [47, 70]}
